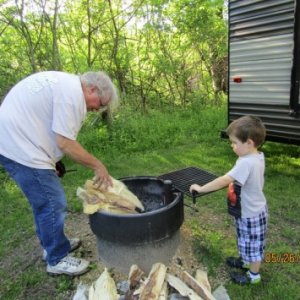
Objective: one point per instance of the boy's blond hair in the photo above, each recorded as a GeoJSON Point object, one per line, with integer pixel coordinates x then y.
{"type": "Point", "coordinates": [248, 127]}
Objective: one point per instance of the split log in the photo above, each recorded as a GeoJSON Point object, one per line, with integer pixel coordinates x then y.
{"type": "Point", "coordinates": [154, 282]}
{"type": "Point", "coordinates": [139, 290]}
{"type": "Point", "coordinates": [135, 276]}
{"type": "Point", "coordinates": [201, 277]}
{"type": "Point", "coordinates": [103, 288]}
{"type": "Point", "coordinates": [117, 199]}
{"type": "Point", "coordinates": [198, 287]}
{"type": "Point", "coordinates": [182, 288]}
{"type": "Point", "coordinates": [164, 292]}
{"type": "Point", "coordinates": [93, 203]}
{"type": "Point", "coordinates": [120, 189]}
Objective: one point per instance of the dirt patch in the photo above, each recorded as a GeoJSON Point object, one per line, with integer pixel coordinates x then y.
{"type": "Point", "coordinates": [28, 256]}
{"type": "Point", "coordinates": [184, 258]}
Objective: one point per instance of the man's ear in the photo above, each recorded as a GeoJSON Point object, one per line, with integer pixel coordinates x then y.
{"type": "Point", "coordinates": [92, 89]}
{"type": "Point", "coordinates": [87, 90]}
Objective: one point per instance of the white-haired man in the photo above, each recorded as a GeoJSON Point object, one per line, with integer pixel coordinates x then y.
{"type": "Point", "coordinates": [40, 119]}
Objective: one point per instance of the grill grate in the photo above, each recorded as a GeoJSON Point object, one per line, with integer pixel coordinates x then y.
{"type": "Point", "coordinates": [183, 179]}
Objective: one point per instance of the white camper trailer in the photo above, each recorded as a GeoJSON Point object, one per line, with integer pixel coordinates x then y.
{"type": "Point", "coordinates": [264, 65]}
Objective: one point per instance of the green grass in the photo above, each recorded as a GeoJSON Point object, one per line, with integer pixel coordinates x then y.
{"type": "Point", "coordinates": [152, 144]}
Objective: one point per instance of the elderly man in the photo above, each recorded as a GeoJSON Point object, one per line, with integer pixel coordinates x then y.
{"type": "Point", "coordinates": [39, 121]}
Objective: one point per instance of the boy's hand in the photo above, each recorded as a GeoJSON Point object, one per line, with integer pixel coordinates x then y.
{"type": "Point", "coordinates": [195, 187]}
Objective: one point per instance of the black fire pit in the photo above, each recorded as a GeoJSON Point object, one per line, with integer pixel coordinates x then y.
{"type": "Point", "coordinates": [144, 238]}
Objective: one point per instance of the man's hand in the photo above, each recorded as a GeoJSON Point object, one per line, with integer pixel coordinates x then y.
{"type": "Point", "coordinates": [102, 179]}
{"type": "Point", "coordinates": [74, 150]}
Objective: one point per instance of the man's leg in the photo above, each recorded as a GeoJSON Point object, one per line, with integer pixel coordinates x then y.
{"type": "Point", "coordinates": [45, 194]}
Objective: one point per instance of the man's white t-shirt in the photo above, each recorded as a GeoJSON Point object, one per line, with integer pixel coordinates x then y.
{"type": "Point", "coordinates": [37, 108]}
{"type": "Point", "coordinates": [248, 171]}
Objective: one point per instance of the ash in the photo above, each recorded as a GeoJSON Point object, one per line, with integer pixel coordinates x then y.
{"type": "Point", "coordinates": [151, 202]}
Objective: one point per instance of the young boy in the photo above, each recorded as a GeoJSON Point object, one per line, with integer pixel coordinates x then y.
{"type": "Point", "coordinates": [246, 200]}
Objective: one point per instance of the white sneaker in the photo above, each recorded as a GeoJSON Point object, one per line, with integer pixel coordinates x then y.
{"type": "Point", "coordinates": [69, 265]}
{"type": "Point", "coordinates": [75, 243]}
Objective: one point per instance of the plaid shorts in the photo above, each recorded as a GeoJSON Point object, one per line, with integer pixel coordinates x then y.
{"type": "Point", "coordinates": [251, 234]}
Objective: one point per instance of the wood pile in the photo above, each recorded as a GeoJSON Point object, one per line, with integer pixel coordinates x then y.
{"type": "Point", "coordinates": [116, 199]}
{"type": "Point", "coordinates": [158, 285]}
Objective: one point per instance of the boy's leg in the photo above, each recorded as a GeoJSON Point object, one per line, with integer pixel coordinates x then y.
{"type": "Point", "coordinates": [255, 266]}
{"type": "Point", "coordinates": [239, 262]}
{"type": "Point", "coordinates": [251, 242]}
{"type": "Point", "coordinates": [253, 273]}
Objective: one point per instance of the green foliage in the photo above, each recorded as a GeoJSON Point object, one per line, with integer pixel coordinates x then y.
{"type": "Point", "coordinates": [16, 215]}
{"type": "Point", "coordinates": [158, 52]}
{"type": "Point", "coordinates": [166, 128]}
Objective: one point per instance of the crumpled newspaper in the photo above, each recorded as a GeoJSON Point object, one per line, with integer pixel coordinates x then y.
{"type": "Point", "coordinates": [82, 292]}
{"type": "Point", "coordinates": [103, 288]}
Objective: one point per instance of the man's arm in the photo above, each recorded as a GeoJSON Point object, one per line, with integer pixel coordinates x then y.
{"type": "Point", "coordinates": [74, 150]}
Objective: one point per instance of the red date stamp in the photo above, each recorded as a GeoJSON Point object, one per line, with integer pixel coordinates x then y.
{"type": "Point", "coordinates": [285, 257]}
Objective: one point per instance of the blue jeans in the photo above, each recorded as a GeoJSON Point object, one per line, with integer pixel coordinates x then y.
{"type": "Point", "coordinates": [46, 196]}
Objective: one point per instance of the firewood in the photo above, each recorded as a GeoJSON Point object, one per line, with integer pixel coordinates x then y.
{"type": "Point", "coordinates": [139, 290]}
{"type": "Point", "coordinates": [117, 199]}
{"type": "Point", "coordinates": [119, 188]}
{"type": "Point", "coordinates": [198, 287]}
{"type": "Point", "coordinates": [135, 276]}
{"type": "Point", "coordinates": [201, 277]}
{"type": "Point", "coordinates": [164, 292]}
{"type": "Point", "coordinates": [88, 197]}
{"type": "Point", "coordinates": [154, 282]}
{"type": "Point", "coordinates": [92, 203]}
{"type": "Point", "coordinates": [182, 288]}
